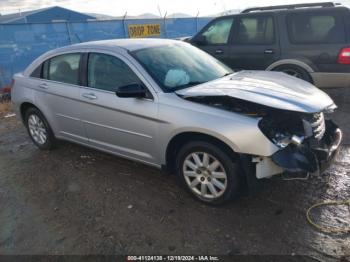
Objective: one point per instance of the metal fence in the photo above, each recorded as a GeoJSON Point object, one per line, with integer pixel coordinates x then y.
{"type": "Point", "coordinates": [20, 44]}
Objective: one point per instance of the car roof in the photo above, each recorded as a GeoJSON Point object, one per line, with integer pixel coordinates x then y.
{"type": "Point", "coordinates": [118, 45]}
{"type": "Point", "coordinates": [282, 10]}
{"type": "Point", "coordinates": [127, 44]}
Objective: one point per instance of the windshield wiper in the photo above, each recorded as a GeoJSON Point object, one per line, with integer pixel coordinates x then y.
{"type": "Point", "coordinates": [189, 84]}
{"type": "Point", "coordinates": [227, 74]}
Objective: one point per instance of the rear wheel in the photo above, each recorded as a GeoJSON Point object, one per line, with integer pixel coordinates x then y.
{"type": "Point", "coordinates": [38, 129]}
{"type": "Point", "coordinates": [207, 172]}
{"type": "Point", "coordinates": [295, 71]}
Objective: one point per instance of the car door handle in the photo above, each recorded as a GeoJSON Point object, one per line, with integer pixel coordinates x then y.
{"type": "Point", "coordinates": [43, 86]}
{"type": "Point", "coordinates": [219, 52]}
{"type": "Point", "coordinates": [269, 51]}
{"type": "Point", "coordinates": [90, 96]}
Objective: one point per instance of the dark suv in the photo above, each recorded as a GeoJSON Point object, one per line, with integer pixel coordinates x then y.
{"type": "Point", "coordinates": [309, 41]}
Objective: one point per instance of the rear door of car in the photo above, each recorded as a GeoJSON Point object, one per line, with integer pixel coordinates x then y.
{"type": "Point", "coordinates": [125, 126]}
{"type": "Point", "coordinates": [57, 81]}
{"type": "Point", "coordinates": [316, 36]}
{"type": "Point", "coordinates": [254, 41]}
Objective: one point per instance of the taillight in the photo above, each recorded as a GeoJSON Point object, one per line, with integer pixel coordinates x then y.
{"type": "Point", "coordinates": [344, 56]}
{"type": "Point", "coordinates": [7, 89]}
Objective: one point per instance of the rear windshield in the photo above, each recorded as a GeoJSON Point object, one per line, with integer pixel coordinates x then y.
{"type": "Point", "coordinates": [316, 28]}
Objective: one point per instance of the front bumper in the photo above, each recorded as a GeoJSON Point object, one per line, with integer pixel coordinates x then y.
{"type": "Point", "coordinates": [312, 156]}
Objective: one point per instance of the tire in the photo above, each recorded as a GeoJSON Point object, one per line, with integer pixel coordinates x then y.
{"type": "Point", "coordinates": [226, 173]}
{"type": "Point", "coordinates": [295, 71]}
{"type": "Point", "coordinates": [39, 129]}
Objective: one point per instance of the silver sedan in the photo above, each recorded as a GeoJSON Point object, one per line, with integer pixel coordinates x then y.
{"type": "Point", "coordinates": [170, 105]}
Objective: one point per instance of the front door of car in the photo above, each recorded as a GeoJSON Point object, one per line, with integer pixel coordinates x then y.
{"type": "Point", "coordinates": [125, 126]}
{"type": "Point", "coordinates": [214, 39]}
{"type": "Point", "coordinates": [254, 42]}
{"type": "Point", "coordinates": [59, 95]}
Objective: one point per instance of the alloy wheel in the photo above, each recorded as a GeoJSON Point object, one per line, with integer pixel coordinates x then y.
{"type": "Point", "coordinates": [37, 129]}
{"type": "Point", "coordinates": [205, 175]}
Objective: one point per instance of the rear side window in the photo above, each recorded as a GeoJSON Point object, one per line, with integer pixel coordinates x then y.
{"type": "Point", "coordinates": [306, 28]}
{"type": "Point", "coordinates": [218, 32]}
{"type": "Point", "coordinates": [37, 72]}
{"type": "Point", "coordinates": [256, 30]}
{"type": "Point", "coordinates": [107, 72]}
{"type": "Point", "coordinates": [63, 68]}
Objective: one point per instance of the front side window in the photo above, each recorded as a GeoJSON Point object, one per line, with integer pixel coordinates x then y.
{"type": "Point", "coordinates": [255, 30]}
{"type": "Point", "coordinates": [107, 72]}
{"type": "Point", "coordinates": [178, 66]}
{"type": "Point", "coordinates": [306, 28]}
{"type": "Point", "coordinates": [218, 32]}
{"type": "Point", "coordinates": [63, 68]}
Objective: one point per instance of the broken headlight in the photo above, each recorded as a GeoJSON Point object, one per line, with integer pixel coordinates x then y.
{"type": "Point", "coordinates": [282, 140]}
{"type": "Point", "coordinates": [282, 130]}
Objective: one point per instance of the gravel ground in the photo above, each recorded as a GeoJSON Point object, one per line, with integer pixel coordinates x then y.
{"type": "Point", "coordinates": [75, 200]}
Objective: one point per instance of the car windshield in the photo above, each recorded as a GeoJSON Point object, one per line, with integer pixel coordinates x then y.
{"type": "Point", "coordinates": [178, 66]}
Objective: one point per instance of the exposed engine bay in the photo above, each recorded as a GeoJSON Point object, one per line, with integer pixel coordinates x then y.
{"type": "Point", "coordinates": [276, 124]}
{"type": "Point", "coordinates": [306, 140]}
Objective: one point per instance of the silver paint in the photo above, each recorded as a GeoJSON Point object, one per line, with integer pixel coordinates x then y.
{"type": "Point", "coordinates": [141, 129]}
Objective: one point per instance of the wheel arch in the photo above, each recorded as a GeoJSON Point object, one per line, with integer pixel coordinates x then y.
{"type": "Point", "coordinates": [24, 107]}
{"type": "Point", "coordinates": [180, 139]}
{"type": "Point", "coordinates": [28, 104]}
{"type": "Point", "coordinates": [303, 64]}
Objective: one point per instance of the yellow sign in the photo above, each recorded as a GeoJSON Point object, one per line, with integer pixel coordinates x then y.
{"type": "Point", "coordinates": [137, 31]}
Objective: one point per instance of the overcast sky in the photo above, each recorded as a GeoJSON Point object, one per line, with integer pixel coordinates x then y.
{"type": "Point", "coordinates": [136, 7]}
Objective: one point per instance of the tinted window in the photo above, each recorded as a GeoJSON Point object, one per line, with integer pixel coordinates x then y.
{"type": "Point", "coordinates": [63, 68]}
{"type": "Point", "coordinates": [45, 69]}
{"type": "Point", "coordinates": [256, 30]}
{"type": "Point", "coordinates": [218, 32]}
{"type": "Point", "coordinates": [108, 72]}
{"type": "Point", "coordinates": [315, 28]}
{"type": "Point", "coordinates": [37, 72]}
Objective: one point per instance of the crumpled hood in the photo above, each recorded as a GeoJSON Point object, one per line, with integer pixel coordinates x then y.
{"type": "Point", "coordinates": [273, 89]}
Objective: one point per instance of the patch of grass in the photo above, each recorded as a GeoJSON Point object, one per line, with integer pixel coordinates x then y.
{"type": "Point", "coordinates": [5, 107]}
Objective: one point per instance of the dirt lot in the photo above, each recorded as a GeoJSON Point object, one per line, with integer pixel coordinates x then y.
{"type": "Point", "coordinates": [78, 201]}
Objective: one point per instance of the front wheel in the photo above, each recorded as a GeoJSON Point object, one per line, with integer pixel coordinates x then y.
{"type": "Point", "coordinates": [207, 172]}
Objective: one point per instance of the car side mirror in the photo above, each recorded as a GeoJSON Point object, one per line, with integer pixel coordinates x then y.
{"type": "Point", "coordinates": [200, 40]}
{"type": "Point", "coordinates": [132, 90]}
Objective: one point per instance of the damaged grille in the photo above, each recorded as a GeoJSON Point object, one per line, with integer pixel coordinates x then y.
{"type": "Point", "coordinates": [318, 126]}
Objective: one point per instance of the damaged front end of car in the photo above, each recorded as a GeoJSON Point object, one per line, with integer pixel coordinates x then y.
{"type": "Point", "coordinates": [291, 114]}
{"type": "Point", "coordinates": [307, 142]}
